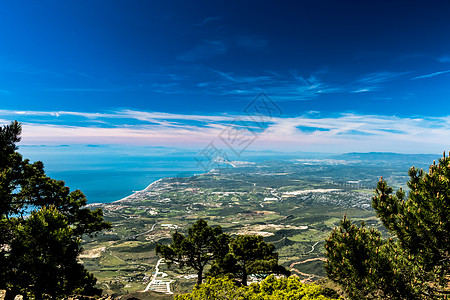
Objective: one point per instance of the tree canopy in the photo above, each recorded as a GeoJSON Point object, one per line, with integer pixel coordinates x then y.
{"type": "Point", "coordinates": [235, 257]}
{"type": "Point", "coordinates": [202, 245]}
{"type": "Point", "coordinates": [414, 262]}
{"type": "Point", "coordinates": [41, 225]}
{"type": "Point", "coordinates": [248, 254]}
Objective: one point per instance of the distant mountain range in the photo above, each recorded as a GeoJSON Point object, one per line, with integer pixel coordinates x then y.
{"type": "Point", "coordinates": [413, 159]}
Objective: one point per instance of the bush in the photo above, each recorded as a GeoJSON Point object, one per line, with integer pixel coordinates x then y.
{"type": "Point", "coordinates": [269, 289]}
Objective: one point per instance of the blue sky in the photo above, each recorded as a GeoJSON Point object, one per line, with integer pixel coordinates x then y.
{"type": "Point", "coordinates": [345, 75]}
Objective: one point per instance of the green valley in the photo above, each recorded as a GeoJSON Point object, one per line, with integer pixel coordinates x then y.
{"type": "Point", "coordinates": [293, 204]}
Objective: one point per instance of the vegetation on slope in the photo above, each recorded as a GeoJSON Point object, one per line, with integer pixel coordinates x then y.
{"type": "Point", "coordinates": [414, 261]}
{"type": "Point", "coordinates": [270, 288]}
{"type": "Point", "coordinates": [41, 226]}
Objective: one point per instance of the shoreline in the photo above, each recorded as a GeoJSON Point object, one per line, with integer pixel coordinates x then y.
{"type": "Point", "coordinates": [153, 185]}
{"type": "Point", "coordinates": [149, 187]}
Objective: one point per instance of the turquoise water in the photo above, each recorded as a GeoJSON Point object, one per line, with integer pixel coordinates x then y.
{"type": "Point", "coordinates": [107, 173]}
{"type": "Point", "coordinates": [110, 185]}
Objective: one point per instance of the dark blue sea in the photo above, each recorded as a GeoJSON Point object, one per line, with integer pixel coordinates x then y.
{"type": "Point", "coordinates": [106, 173]}
{"type": "Point", "coordinates": [109, 173]}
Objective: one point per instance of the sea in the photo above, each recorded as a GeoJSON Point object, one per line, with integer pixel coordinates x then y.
{"type": "Point", "coordinates": [109, 173]}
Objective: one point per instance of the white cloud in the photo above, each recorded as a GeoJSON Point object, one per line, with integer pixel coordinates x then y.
{"type": "Point", "coordinates": [363, 90]}
{"type": "Point", "coordinates": [380, 77]}
{"type": "Point", "coordinates": [310, 132]}
{"type": "Point", "coordinates": [431, 75]}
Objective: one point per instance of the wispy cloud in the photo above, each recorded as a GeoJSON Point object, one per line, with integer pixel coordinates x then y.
{"type": "Point", "coordinates": [379, 77]}
{"type": "Point", "coordinates": [444, 59]}
{"type": "Point", "coordinates": [309, 132]}
{"type": "Point", "coordinates": [243, 78]}
{"type": "Point", "coordinates": [371, 82]}
{"type": "Point", "coordinates": [209, 20]}
{"type": "Point", "coordinates": [291, 86]}
{"type": "Point", "coordinates": [204, 50]}
{"type": "Point", "coordinates": [363, 90]}
{"type": "Point", "coordinates": [78, 90]}
{"type": "Point", "coordinates": [431, 75]}
{"type": "Point", "coordinates": [8, 65]}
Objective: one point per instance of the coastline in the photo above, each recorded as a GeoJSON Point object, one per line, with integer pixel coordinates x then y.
{"type": "Point", "coordinates": [156, 185]}
{"type": "Point", "coordinates": [134, 195]}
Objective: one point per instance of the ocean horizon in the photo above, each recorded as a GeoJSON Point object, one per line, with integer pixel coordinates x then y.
{"type": "Point", "coordinates": [109, 173]}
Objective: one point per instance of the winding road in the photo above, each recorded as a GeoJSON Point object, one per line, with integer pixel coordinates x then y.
{"type": "Point", "coordinates": [312, 248]}
{"type": "Point", "coordinates": [309, 276]}
{"type": "Point", "coordinates": [142, 233]}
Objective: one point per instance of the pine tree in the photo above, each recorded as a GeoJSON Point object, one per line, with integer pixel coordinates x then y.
{"type": "Point", "coordinates": [41, 225]}
{"type": "Point", "coordinates": [201, 246]}
{"type": "Point", "coordinates": [414, 263]}
{"type": "Point", "coordinates": [247, 255]}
